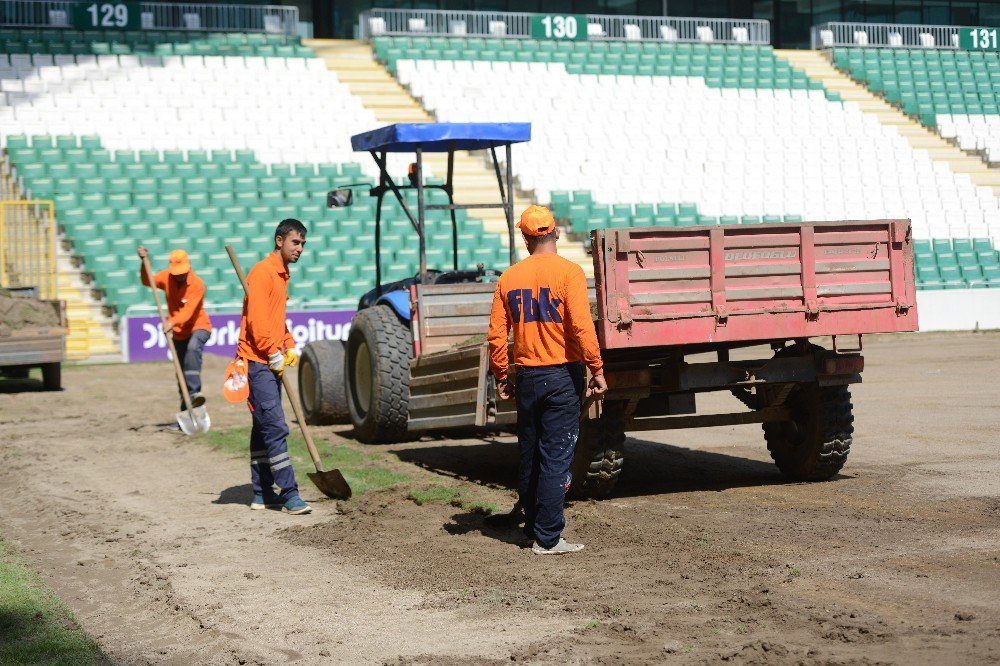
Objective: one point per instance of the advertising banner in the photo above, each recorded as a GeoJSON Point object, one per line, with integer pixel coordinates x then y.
{"type": "Point", "coordinates": [144, 341]}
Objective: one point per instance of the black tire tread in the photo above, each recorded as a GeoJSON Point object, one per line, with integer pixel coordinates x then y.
{"type": "Point", "coordinates": [52, 376]}
{"type": "Point", "coordinates": [326, 357]}
{"type": "Point", "coordinates": [600, 453]}
{"type": "Point", "coordinates": [390, 343]}
{"type": "Point", "coordinates": [829, 430]}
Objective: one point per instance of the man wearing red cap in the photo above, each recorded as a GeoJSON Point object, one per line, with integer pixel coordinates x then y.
{"type": "Point", "coordinates": [187, 320]}
{"type": "Point", "coordinates": [543, 298]}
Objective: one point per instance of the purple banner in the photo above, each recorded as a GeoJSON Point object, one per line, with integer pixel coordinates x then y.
{"type": "Point", "coordinates": [146, 342]}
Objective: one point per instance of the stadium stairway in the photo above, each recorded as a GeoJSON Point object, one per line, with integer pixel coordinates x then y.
{"type": "Point", "coordinates": [819, 67]}
{"type": "Point", "coordinates": [92, 334]}
{"type": "Point", "coordinates": [475, 180]}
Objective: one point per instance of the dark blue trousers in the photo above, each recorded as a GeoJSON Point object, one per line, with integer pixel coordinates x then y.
{"type": "Point", "coordinates": [270, 464]}
{"type": "Point", "coordinates": [189, 352]}
{"type": "Point", "coordinates": [548, 425]}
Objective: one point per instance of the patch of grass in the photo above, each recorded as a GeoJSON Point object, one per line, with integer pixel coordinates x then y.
{"type": "Point", "coordinates": [434, 494]}
{"type": "Point", "coordinates": [35, 626]}
{"type": "Point", "coordinates": [364, 471]}
{"type": "Point", "coordinates": [593, 624]}
{"type": "Point", "coordinates": [449, 495]}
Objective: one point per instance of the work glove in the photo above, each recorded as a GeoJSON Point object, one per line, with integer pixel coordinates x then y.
{"type": "Point", "coordinates": [276, 362]}
{"type": "Point", "coordinates": [292, 358]}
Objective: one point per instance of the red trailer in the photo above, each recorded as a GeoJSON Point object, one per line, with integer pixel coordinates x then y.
{"type": "Point", "coordinates": [666, 294]}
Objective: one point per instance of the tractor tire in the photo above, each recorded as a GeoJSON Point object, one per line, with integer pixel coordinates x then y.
{"type": "Point", "coordinates": [600, 453]}
{"type": "Point", "coordinates": [813, 446]}
{"type": "Point", "coordinates": [377, 373]}
{"type": "Point", "coordinates": [52, 376]}
{"type": "Point", "coordinates": [321, 383]}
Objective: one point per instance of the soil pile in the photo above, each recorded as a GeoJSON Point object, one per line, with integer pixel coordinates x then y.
{"type": "Point", "coordinates": [18, 313]}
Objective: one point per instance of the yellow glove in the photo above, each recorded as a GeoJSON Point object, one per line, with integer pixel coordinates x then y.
{"type": "Point", "coordinates": [291, 358]}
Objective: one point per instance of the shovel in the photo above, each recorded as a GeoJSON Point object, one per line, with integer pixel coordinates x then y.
{"type": "Point", "coordinates": [193, 420]}
{"type": "Point", "coordinates": [331, 483]}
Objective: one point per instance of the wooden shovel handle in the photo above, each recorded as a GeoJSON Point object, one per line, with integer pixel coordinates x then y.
{"type": "Point", "coordinates": [170, 338]}
{"type": "Point", "coordinates": [293, 397]}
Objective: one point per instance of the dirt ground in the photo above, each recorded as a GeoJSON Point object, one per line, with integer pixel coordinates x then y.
{"type": "Point", "coordinates": [703, 554]}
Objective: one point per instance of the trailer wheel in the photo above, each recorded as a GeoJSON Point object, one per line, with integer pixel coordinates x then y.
{"type": "Point", "coordinates": [52, 376]}
{"type": "Point", "coordinates": [321, 383]}
{"type": "Point", "coordinates": [600, 453]}
{"type": "Point", "coordinates": [814, 445]}
{"type": "Point", "coordinates": [379, 349]}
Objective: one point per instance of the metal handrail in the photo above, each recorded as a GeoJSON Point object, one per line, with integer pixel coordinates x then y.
{"type": "Point", "coordinates": [187, 17]}
{"type": "Point", "coordinates": [885, 35]}
{"type": "Point", "coordinates": [517, 25]}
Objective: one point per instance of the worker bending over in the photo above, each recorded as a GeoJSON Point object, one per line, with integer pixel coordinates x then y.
{"type": "Point", "coordinates": [267, 347]}
{"type": "Point", "coordinates": [543, 298]}
{"type": "Point", "coordinates": [187, 320]}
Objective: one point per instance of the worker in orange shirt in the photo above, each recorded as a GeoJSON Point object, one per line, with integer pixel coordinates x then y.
{"type": "Point", "coordinates": [187, 320]}
{"type": "Point", "coordinates": [267, 347]}
{"type": "Point", "coordinates": [543, 298]}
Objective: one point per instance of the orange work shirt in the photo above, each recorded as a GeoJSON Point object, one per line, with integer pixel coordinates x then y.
{"type": "Point", "coordinates": [262, 329]}
{"type": "Point", "coordinates": [185, 302]}
{"type": "Point", "coordinates": [543, 298]}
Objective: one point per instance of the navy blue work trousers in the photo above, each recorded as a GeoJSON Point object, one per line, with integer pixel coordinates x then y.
{"type": "Point", "coordinates": [270, 464]}
{"type": "Point", "coordinates": [189, 352]}
{"type": "Point", "coordinates": [548, 425]}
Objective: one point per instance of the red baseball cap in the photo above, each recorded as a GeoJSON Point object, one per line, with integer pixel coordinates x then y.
{"type": "Point", "coordinates": [536, 221]}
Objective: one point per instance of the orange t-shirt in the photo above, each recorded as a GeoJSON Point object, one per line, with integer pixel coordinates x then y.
{"type": "Point", "coordinates": [543, 298]}
{"type": "Point", "coordinates": [262, 328]}
{"type": "Point", "coordinates": [185, 302]}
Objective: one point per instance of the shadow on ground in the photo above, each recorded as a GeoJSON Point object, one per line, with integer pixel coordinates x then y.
{"type": "Point", "coordinates": [650, 468]}
{"type": "Point", "coordinates": [235, 495]}
{"type": "Point", "coordinates": [21, 385]}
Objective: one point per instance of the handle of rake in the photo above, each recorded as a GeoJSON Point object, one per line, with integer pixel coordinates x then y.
{"type": "Point", "coordinates": [170, 338]}
{"type": "Point", "coordinates": [293, 396]}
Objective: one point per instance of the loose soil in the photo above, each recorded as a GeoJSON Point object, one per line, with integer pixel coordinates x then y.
{"type": "Point", "coordinates": [18, 313]}
{"type": "Point", "coordinates": [704, 553]}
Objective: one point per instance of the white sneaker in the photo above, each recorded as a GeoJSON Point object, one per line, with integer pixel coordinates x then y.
{"type": "Point", "coordinates": [560, 548]}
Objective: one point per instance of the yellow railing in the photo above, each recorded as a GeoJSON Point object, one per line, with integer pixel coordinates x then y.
{"type": "Point", "coordinates": [28, 246]}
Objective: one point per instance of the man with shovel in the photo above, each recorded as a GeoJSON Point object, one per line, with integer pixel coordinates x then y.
{"type": "Point", "coordinates": [187, 320]}
{"type": "Point", "coordinates": [267, 347]}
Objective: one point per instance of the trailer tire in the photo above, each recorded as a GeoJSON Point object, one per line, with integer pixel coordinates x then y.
{"type": "Point", "coordinates": [321, 383]}
{"type": "Point", "coordinates": [52, 376]}
{"type": "Point", "coordinates": [600, 453]}
{"type": "Point", "coordinates": [813, 446]}
{"type": "Point", "coordinates": [377, 374]}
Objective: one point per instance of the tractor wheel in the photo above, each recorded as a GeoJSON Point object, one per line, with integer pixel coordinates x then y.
{"type": "Point", "coordinates": [379, 349]}
{"type": "Point", "coordinates": [321, 383]}
{"type": "Point", "coordinates": [600, 453]}
{"type": "Point", "coordinates": [52, 376]}
{"type": "Point", "coordinates": [814, 445]}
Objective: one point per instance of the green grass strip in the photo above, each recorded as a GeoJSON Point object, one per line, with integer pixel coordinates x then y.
{"type": "Point", "coordinates": [362, 470]}
{"type": "Point", "coordinates": [35, 626]}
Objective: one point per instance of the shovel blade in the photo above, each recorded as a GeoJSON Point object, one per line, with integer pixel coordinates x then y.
{"type": "Point", "coordinates": [194, 422]}
{"type": "Point", "coordinates": [331, 483]}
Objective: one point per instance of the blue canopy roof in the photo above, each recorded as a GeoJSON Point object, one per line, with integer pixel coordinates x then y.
{"type": "Point", "coordinates": [441, 137]}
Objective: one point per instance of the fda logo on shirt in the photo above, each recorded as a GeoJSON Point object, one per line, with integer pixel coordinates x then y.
{"type": "Point", "coordinates": [543, 309]}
